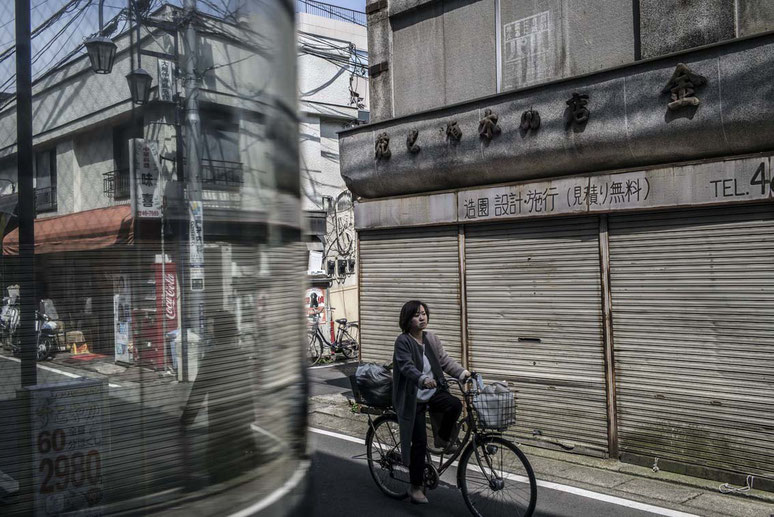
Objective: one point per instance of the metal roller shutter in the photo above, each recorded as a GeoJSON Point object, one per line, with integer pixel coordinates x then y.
{"type": "Point", "coordinates": [535, 319]}
{"type": "Point", "coordinates": [400, 265]}
{"type": "Point", "coordinates": [693, 324]}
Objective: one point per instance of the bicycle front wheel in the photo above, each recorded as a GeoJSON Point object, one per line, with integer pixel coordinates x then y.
{"type": "Point", "coordinates": [349, 346]}
{"type": "Point", "coordinates": [496, 479]}
{"type": "Point", "coordinates": [384, 457]}
{"type": "Point", "coordinates": [314, 350]}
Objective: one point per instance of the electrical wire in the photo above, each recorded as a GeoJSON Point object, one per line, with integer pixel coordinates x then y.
{"type": "Point", "coordinates": [53, 40]}
{"type": "Point", "coordinates": [71, 5]}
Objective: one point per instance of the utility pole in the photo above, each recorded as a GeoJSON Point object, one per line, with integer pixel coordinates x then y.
{"type": "Point", "coordinates": [29, 372]}
{"type": "Point", "coordinates": [195, 277]}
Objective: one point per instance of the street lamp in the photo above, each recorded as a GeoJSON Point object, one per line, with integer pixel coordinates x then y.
{"type": "Point", "coordinates": [102, 50]}
{"type": "Point", "coordinates": [139, 85]}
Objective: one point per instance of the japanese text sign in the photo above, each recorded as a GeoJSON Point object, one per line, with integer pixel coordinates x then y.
{"type": "Point", "coordinates": [68, 451]}
{"type": "Point", "coordinates": [147, 196]}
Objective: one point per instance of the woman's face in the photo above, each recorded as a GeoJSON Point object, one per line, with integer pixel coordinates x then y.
{"type": "Point", "coordinates": [419, 321]}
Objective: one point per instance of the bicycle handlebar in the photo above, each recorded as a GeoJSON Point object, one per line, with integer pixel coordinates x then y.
{"type": "Point", "coordinates": [462, 384]}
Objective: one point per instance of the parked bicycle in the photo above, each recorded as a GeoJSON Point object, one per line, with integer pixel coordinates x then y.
{"type": "Point", "coordinates": [345, 343]}
{"type": "Point", "coordinates": [493, 474]}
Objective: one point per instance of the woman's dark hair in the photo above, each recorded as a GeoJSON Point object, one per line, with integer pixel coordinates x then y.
{"type": "Point", "coordinates": [410, 308]}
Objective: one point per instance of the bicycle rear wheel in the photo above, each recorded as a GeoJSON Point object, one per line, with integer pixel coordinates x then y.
{"type": "Point", "coordinates": [384, 457]}
{"type": "Point", "coordinates": [314, 349]}
{"type": "Point", "coordinates": [496, 479]}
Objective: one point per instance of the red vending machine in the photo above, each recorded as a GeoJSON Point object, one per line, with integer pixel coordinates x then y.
{"type": "Point", "coordinates": [153, 325]}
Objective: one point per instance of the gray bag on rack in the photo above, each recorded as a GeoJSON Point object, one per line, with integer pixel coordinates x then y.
{"type": "Point", "coordinates": [374, 382]}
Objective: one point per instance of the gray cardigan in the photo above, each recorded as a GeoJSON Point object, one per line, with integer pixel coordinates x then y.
{"type": "Point", "coordinates": [407, 370]}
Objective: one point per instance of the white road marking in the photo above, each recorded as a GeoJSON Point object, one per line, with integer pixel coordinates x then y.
{"type": "Point", "coordinates": [337, 435]}
{"type": "Point", "coordinates": [60, 372]}
{"type": "Point", "coordinates": [332, 365]}
{"type": "Point", "coordinates": [555, 486]}
{"type": "Point", "coordinates": [278, 494]}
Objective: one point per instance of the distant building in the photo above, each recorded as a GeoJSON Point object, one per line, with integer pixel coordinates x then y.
{"type": "Point", "coordinates": [333, 88]}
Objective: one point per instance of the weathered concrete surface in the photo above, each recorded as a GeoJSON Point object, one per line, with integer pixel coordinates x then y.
{"type": "Point", "coordinates": [418, 68]}
{"type": "Point", "coordinates": [379, 48]}
{"type": "Point", "coordinates": [600, 35]}
{"type": "Point", "coordinates": [662, 489]}
{"type": "Point", "coordinates": [630, 126]}
{"type": "Point", "coordinates": [453, 43]}
{"type": "Point", "coordinates": [668, 26]}
{"type": "Point", "coordinates": [469, 50]}
{"type": "Point", "coordinates": [754, 16]}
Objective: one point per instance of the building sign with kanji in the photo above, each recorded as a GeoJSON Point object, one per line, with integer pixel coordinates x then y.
{"type": "Point", "coordinates": [743, 180]}
{"type": "Point", "coordinates": [166, 81]}
{"type": "Point", "coordinates": [748, 179]}
{"type": "Point", "coordinates": [145, 167]}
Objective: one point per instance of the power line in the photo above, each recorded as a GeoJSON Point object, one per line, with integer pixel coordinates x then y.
{"type": "Point", "coordinates": [43, 26]}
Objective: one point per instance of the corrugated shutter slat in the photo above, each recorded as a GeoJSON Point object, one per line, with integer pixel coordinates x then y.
{"type": "Point", "coordinates": [693, 323]}
{"type": "Point", "coordinates": [541, 280]}
{"type": "Point", "coordinates": [400, 265]}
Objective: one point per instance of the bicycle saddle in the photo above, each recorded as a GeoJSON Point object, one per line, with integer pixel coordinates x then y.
{"type": "Point", "coordinates": [341, 321]}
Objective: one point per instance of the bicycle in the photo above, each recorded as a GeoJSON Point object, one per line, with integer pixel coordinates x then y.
{"type": "Point", "coordinates": [493, 474]}
{"type": "Point", "coordinates": [344, 343]}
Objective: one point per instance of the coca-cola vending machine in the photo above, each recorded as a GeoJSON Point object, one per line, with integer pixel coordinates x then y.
{"type": "Point", "coordinates": [154, 353]}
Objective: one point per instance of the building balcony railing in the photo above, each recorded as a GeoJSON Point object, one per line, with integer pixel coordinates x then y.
{"type": "Point", "coordinates": [115, 184]}
{"type": "Point", "coordinates": [333, 12]}
{"type": "Point", "coordinates": [215, 174]}
{"type": "Point", "coordinates": [45, 199]}
{"type": "Point", "coordinates": [222, 175]}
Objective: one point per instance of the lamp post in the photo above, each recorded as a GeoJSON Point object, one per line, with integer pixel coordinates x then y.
{"type": "Point", "coordinates": [139, 79]}
{"type": "Point", "coordinates": [102, 53]}
{"type": "Point", "coordinates": [102, 50]}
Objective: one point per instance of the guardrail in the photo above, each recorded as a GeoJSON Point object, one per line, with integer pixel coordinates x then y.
{"type": "Point", "coordinates": [333, 12]}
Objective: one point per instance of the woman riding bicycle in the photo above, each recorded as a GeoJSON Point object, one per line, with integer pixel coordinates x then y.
{"type": "Point", "coordinates": [419, 365]}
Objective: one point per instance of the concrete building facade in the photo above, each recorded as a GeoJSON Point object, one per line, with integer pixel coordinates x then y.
{"type": "Point", "coordinates": [581, 191]}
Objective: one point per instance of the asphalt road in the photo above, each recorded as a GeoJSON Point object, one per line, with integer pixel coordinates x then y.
{"type": "Point", "coordinates": [332, 378]}
{"type": "Point", "coordinates": [342, 486]}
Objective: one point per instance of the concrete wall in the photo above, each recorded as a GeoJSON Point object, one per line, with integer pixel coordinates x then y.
{"type": "Point", "coordinates": [754, 16]}
{"type": "Point", "coordinates": [446, 52]}
{"type": "Point", "coordinates": [345, 303]}
{"type": "Point", "coordinates": [671, 25]}
{"type": "Point", "coordinates": [319, 158]}
{"type": "Point", "coordinates": [379, 51]}
{"type": "Point", "coordinates": [442, 52]}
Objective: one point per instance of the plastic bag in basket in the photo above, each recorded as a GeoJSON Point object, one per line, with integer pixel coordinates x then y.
{"type": "Point", "coordinates": [494, 405]}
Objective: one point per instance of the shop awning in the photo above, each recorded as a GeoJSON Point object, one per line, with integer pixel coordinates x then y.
{"type": "Point", "coordinates": [81, 231]}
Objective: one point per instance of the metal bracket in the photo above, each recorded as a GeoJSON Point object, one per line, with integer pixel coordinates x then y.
{"type": "Point", "coordinates": [378, 68]}
{"type": "Point", "coordinates": [159, 55]}
{"type": "Point", "coordinates": [375, 6]}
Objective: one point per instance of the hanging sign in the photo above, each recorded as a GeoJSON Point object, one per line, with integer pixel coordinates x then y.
{"type": "Point", "coordinates": [166, 81]}
{"type": "Point", "coordinates": [145, 172]}
{"type": "Point", "coordinates": [196, 245]}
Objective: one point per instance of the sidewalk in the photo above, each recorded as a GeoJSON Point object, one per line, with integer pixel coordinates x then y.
{"type": "Point", "coordinates": [663, 489]}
